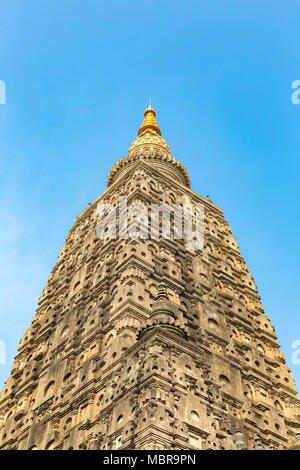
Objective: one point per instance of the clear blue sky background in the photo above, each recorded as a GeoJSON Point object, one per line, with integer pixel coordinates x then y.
{"type": "Point", "coordinates": [78, 77]}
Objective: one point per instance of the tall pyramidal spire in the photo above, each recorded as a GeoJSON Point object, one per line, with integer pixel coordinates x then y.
{"type": "Point", "coordinates": [150, 333]}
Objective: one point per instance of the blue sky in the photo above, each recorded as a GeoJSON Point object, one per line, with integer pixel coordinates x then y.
{"type": "Point", "coordinates": [78, 75]}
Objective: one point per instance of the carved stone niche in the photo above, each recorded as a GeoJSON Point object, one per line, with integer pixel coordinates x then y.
{"type": "Point", "coordinates": [96, 441]}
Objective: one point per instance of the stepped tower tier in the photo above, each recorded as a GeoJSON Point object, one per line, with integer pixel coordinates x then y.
{"type": "Point", "coordinates": [140, 342]}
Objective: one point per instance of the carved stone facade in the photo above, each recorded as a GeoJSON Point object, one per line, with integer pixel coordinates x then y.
{"type": "Point", "coordinates": [143, 344]}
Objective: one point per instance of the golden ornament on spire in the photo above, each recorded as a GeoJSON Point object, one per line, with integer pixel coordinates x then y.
{"type": "Point", "coordinates": [149, 121]}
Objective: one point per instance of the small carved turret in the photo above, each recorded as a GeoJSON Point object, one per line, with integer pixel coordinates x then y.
{"type": "Point", "coordinates": [164, 315]}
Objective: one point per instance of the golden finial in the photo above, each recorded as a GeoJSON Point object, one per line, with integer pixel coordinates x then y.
{"type": "Point", "coordinates": [149, 121]}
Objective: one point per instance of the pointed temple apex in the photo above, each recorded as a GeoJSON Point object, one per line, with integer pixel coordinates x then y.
{"type": "Point", "coordinates": [149, 121]}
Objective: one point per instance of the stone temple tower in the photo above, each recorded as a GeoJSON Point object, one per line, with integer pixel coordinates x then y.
{"type": "Point", "coordinates": [144, 343]}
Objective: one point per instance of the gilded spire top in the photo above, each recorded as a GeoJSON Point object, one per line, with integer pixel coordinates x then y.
{"type": "Point", "coordinates": [155, 151]}
{"type": "Point", "coordinates": [149, 121]}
